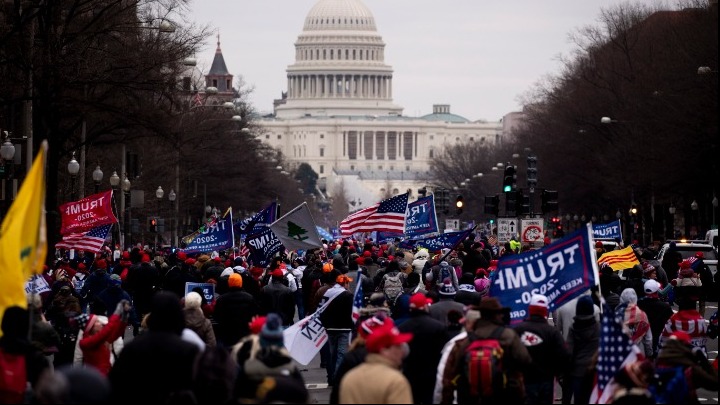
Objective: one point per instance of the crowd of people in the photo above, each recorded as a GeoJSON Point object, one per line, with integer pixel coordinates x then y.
{"type": "Point", "coordinates": [426, 327]}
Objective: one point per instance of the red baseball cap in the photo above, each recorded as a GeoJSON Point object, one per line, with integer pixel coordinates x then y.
{"type": "Point", "coordinates": [418, 301]}
{"type": "Point", "coordinates": [386, 336]}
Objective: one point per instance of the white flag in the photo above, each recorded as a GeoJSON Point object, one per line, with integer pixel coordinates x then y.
{"type": "Point", "coordinates": [297, 229]}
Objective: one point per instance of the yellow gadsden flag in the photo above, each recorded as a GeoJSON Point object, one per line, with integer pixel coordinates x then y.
{"type": "Point", "coordinates": [23, 237]}
{"type": "Point", "coordinates": [619, 259]}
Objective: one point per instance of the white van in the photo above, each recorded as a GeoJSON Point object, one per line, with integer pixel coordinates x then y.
{"type": "Point", "coordinates": [711, 236]}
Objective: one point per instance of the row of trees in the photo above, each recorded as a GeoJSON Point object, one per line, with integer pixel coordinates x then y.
{"type": "Point", "coordinates": [639, 67]}
{"type": "Point", "coordinates": [100, 77]}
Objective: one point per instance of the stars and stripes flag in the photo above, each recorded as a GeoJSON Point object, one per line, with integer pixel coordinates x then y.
{"type": "Point", "coordinates": [358, 300]}
{"type": "Point", "coordinates": [386, 216]}
{"type": "Point", "coordinates": [615, 351]}
{"type": "Point", "coordinates": [90, 241]}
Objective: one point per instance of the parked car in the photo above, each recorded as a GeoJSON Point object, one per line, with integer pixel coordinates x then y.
{"type": "Point", "coordinates": [689, 248]}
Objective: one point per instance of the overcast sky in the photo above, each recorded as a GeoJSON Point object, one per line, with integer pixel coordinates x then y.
{"type": "Point", "coordinates": [477, 56]}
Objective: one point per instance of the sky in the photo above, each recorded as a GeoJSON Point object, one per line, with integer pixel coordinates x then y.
{"type": "Point", "coordinates": [478, 56]}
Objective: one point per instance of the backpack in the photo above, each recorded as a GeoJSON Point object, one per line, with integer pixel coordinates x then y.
{"type": "Point", "coordinates": [444, 274]}
{"type": "Point", "coordinates": [13, 378]}
{"type": "Point", "coordinates": [671, 385]}
{"type": "Point", "coordinates": [483, 366]}
{"type": "Point", "coordinates": [393, 287]}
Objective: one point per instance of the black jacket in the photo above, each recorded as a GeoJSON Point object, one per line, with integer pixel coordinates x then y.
{"type": "Point", "coordinates": [550, 355]}
{"type": "Point", "coordinates": [338, 314]}
{"type": "Point", "coordinates": [420, 366]}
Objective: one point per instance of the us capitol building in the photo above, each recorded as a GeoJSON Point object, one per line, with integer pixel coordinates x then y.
{"type": "Point", "coordinates": [339, 117]}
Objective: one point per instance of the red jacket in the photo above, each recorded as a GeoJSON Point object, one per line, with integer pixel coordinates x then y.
{"type": "Point", "coordinates": [96, 348]}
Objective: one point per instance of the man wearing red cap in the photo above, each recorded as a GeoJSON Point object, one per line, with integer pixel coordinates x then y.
{"type": "Point", "coordinates": [277, 297]}
{"type": "Point", "coordinates": [429, 337]}
{"type": "Point", "coordinates": [379, 380]}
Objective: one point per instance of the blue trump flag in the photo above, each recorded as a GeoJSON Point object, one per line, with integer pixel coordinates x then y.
{"type": "Point", "coordinates": [442, 241]}
{"type": "Point", "coordinates": [263, 246]}
{"type": "Point", "coordinates": [613, 230]}
{"type": "Point", "coordinates": [324, 233]}
{"type": "Point", "coordinates": [257, 222]}
{"type": "Point", "coordinates": [217, 236]}
{"type": "Point", "coordinates": [561, 271]}
{"type": "Point", "coordinates": [420, 219]}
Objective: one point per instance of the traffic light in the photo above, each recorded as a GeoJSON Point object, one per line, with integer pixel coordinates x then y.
{"type": "Point", "coordinates": [511, 202]}
{"type": "Point", "coordinates": [633, 209]}
{"type": "Point", "coordinates": [524, 204]}
{"type": "Point", "coordinates": [492, 205]}
{"type": "Point", "coordinates": [459, 204]}
{"type": "Point", "coordinates": [549, 201]}
{"type": "Point", "coordinates": [509, 179]}
{"type": "Point", "coordinates": [532, 172]}
{"type": "Point", "coordinates": [153, 225]}
{"type": "Point", "coordinates": [558, 231]}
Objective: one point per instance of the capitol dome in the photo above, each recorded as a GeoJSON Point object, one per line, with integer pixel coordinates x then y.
{"type": "Point", "coordinates": [339, 15]}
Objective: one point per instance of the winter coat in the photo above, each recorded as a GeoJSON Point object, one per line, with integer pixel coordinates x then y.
{"type": "Point", "coordinates": [583, 342]}
{"type": "Point", "coordinates": [658, 313]}
{"type": "Point", "coordinates": [278, 298]}
{"type": "Point", "coordinates": [677, 353]}
{"type": "Point", "coordinates": [353, 358]}
{"type": "Point", "coordinates": [550, 355]}
{"type": "Point", "coordinates": [376, 381]}
{"type": "Point", "coordinates": [96, 347]}
{"type": "Point", "coordinates": [440, 309]}
{"type": "Point", "coordinates": [233, 312]}
{"type": "Point", "coordinates": [198, 323]}
{"type": "Point", "coordinates": [689, 321]}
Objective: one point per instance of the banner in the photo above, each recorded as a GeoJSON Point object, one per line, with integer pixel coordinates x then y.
{"type": "Point", "coordinates": [263, 246]}
{"type": "Point", "coordinates": [36, 285]}
{"type": "Point", "coordinates": [257, 222]}
{"type": "Point", "coordinates": [217, 236]}
{"type": "Point", "coordinates": [613, 230]}
{"type": "Point", "coordinates": [208, 290]}
{"type": "Point", "coordinates": [442, 241]}
{"type": "Point", "coordinates": [420, 218]}
{"type": "Point", "coordinates": [305, 338]}
{"type": "Point", "coordinates": [88, 213]}
{"type": "Point", "coordinates": [561, 271]}
{"type": "Point", "coordinates": [297, 229]}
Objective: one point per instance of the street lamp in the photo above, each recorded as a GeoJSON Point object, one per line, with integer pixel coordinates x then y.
{"type": "Point", "coordinates": [159, 193]}
{"type": "Point", "coordinates": [7, 153]}
{"type": "Point", "coordinates": [114, 183]}
{"type": "Point", "coordinates": [618, 214]}
{"type": "Point", "coordinates": [172, 196]}
{"type": "Point", "coordinates": [126, 192]}
{"type": "Point", "coordinates": [73, 168]}
{"type": "Point", "coordinates": [97, 176]}
{"type": "Point", "coordinates": [607, 120]}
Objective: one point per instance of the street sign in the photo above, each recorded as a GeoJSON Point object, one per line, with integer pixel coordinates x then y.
{"type": "Point", "coordinates": [531, 230]}
{"type": "Point", "coordinates": [452, 225]}
{"type": "Point", "coordinates": [507, 229]}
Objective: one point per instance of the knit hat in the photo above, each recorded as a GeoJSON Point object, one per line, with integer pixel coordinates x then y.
{"type": "Point", "coordinates": [447, 289]}
{"type": "Point", "coordinates": [699, 255]}
{"type": "Point", "coordinates": [327, 267]}
{"type": "Point", "coordinates": [239, 269]}
{"type": "Point", "coordinates": [651, 287]}
{"type": "Point", "coordinates": [342, 279]}
{"type": "Point", "coordinates": [227, 272]}
{"type": "Point", "coordinates": [686, 270]}
{"type": "Point", "coordinates": [538, 305]}
{"type": "Point", "coordinates": [101, 264]}
{"type": "Point", "coordinates": [115, 280]}
{"type": "Point", "coordinates": [235, 281]}
{"type": "Point", "coordinates": [271, 333]}
{"type": "Point", "coordinates": [585, 308]}
{"type": "Point", "coordinates": [648, 268]}
{"type": "Point", "coordinates": [193, 300]}
{"type": "Point", "coordinates": [419, 302]}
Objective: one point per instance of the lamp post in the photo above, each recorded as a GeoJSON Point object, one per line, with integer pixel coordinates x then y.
{"type": "Point", "coordinates": [693, 228]}
{"type": "Point", "coordinates": [97, 176]}
{"type": "Point", "coordinates": [73, 168]}
{"type": "Point", "coordinates": [172, 197]}
{"type": "Point", "coordinates": [114, 183]}
{"type": "Point", "coordinates": [159, 195]}
{"type": "Point", "coordinates": [7, 153]}
{"type": "Point", "coordinates": [126, 193]}
{"type": "Point", "coordinates": [672, 210]}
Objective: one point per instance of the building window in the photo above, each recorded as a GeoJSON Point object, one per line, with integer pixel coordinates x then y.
{"type": "Point", "coordinates": [392, 168]}
{"type": "Point", "coordinates": [432, 137]}
{"type": "Point", "coordinates": [431, 153]}
{"type": "Point", "coordinates": [228, 83]}
{"type": "Point", "coordinates": [322, 136]}
{"type": "Point", "coordinates": [322, 152]}
{"type": "Point", "coordinates": [352, 167]}
{"type": "Point", "coordinates": [214, 83]}
{"type": "Point", "coordinates": [407, 168]}
{"type": "Point", "coordinates": [457, 139]}
{"type": "Point", "coordinates": [396, 191]}
{"type": "Point", "coordinates": [379, 167]}
{"type": "Point", "coordinates": [267, 136]}
{"type": "Point", "coordinates": [322, 169]}
{"type": "Point", "coordinates": [472, 139]}
{"type": "Point", "coordinates": [279, 136]}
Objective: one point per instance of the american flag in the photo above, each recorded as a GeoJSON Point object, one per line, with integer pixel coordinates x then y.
{"type": "Point", "coordinates": [385, 216]}
{"type": "Point", "coordinates": [615, 351]}
{"type": "Point", "coordinates": [91, 241]}
{"type": "Point", "coordinates": [358, 300]}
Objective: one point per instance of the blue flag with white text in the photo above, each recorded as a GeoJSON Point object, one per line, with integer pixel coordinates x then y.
{"type": "Point", "coordinates": [442, 241]}
{"type": "Point", "coordinates": [560, 271]}
{"type": "Point", "coordinates": [613, 230]}
{"type": "Point", "coordinates": [263, 246]}
{"type": "Point", "coordinates": [217, 236]}
{"type": "Point", "coordinates": [420, 218]}
{"type": "Point", "coordinates": [257, 222]}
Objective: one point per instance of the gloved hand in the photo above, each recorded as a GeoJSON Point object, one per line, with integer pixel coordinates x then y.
{"type": "Point", "coordinates": [123, 310]}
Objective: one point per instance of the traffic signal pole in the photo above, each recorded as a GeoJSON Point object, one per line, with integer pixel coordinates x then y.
{"type": "Point", "coordinates": [532, 181]}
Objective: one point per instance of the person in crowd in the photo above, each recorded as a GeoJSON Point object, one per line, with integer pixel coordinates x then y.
{"type": "Point", "coordinates": [429, 337]}
{"type": "Point", "coordinates": [678, 350]}
{"type": "Point", "coordinates": [550, 356]}
{"type": "Point", "coordinates": [466, 293]}
{"type": "Point", "coordinates": [445, 304]}
{"type": "Point", "coordinates": [419, 260]}
{"type": "Point", "coordinates": [338, 322]}
{"type": "Point", "coordinates": [72, 385]}
{"type": "Point", "coordinates": [482, 282]}
{"type": "Point", "coordinates": [97, 339]}
{"type": "Point", "coordinates": [516, 357]}
{"type": "Point", "coordinates": [158, 363]}
{"type": "Point", "coordinates": [196, 320]}
{"type": "Point", "coordinates": [233, 312]}
{"type": "Point", "coordinates": [42, 334]}
{"type": "Point", "coordinates": [278, 298]}
{"type": "Point", "coordinates": [688, 320]}
{"type": "Point", "coordinates": [14, 344]}
{"type": "Point", "coordinates": [635, 321]}
{"type": "Point", "coordinates": [583, 341]}
{"type": "Point", "coordinates": [378, 380]}
{"type": "Point", "coordinates": [658, 312]}
{"type": "Point", "coordinates": [706, 280]}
